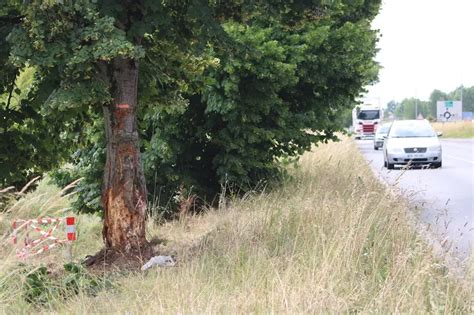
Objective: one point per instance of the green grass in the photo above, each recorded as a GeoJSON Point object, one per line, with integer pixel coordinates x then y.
{"type": "Point", "coordinates": [332, 239]}
{"type": "Point", "coordinates": [461, 129]}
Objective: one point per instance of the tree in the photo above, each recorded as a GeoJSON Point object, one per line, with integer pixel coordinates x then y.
{"type": "Point", "coordinates": [285, 85]}
{"type": "Point", "coordinates": [436, 96]}
{"type": "Point", "coordinates": [391, 108]}
{"type": "Point", "coordinates": [409, 108]}
{"type": "Point", "coordinates": [293, 65]}
{"type": "Point", "coordinates": [467, 97]}
{"type": "Point", "coordinates": [95, 50]}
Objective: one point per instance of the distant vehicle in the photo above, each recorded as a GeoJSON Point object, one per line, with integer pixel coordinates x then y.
{"type": "Point", "coordinates": [365, 120]}
{"type": "Point", "coordinates": [412, 142]}
{"type": "Point", "coordinates": [380, 135]}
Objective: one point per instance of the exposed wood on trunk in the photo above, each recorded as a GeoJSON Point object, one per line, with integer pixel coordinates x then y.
{"type": "Point", "coordinates": [124, 190]}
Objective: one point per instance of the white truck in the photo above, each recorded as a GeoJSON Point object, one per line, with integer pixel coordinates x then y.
{"type": "Point", "coordinates": [365, 120]}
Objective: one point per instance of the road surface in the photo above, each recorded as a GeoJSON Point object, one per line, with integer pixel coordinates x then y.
{"type": "Point", "coordinates": [444, 196]}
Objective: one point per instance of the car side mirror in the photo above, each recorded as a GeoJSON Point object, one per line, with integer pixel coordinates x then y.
{"type": "Point", "coordinates": [439, 133]}
{"type": "Point", "coordinates": [385, 137]}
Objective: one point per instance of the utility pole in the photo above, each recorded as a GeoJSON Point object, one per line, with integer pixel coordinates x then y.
{"type": "Point", "coordinates": [416, 104]}
{"type": "Point", "coordinates": [416, 108]}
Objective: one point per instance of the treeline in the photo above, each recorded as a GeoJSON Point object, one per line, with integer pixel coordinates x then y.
{"type": "Point", "coordinates": [409, 107]}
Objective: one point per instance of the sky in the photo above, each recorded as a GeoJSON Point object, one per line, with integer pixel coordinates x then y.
{"type": "Point", "coordinates": [424, 45]}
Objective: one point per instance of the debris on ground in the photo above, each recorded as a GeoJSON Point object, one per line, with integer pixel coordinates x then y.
{"type": "Point", "coordinates": [162, 261]}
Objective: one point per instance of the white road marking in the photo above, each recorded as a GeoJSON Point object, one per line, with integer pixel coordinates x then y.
{"type": "Point", "coordinates": [456, 158]}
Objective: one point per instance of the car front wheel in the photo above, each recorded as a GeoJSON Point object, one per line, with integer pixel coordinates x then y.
{"type": "Point", "coordinates": [437, 165]}
{"type": "Point", "coordinates": [390, 166]}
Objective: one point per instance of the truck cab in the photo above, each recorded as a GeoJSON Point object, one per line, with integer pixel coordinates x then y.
{"type": "Point", "coordinates": [365, 121]}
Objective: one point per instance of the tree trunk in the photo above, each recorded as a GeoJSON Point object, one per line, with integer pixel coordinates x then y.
{"type": "Point", "coordinates": [124, 195]}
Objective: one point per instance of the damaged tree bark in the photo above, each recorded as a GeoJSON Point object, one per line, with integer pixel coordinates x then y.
{"type": "Point", "coordinates": [124, 190]}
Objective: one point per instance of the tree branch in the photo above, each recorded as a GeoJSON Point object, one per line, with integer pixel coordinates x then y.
{"type": "Point", "coordinates": [10, 95]}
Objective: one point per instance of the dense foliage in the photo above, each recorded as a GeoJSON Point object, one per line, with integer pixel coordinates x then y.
{"type": "Point", "coordinates": [223, 104]}
{"type": "Point", "coordinates": [28, 139]}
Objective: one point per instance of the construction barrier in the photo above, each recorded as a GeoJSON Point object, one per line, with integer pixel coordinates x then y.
{"type": "Point", "coordinates": [45, 227]}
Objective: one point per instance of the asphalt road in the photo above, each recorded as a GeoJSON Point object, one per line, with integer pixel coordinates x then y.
{"type": "Point", "coordinates": [444, 196]}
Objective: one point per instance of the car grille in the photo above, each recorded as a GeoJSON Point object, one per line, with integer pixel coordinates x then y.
{"type": "Point", "coordinates": [368, 128]}
{"type": "Point", "coordinates": [415, 150]}
{"type": "Point", "coordinates": [416, 160]}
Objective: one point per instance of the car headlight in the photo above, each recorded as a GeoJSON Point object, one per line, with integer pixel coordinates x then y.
{"type": "Point", "coordinates": [394, 150]}
{"type": "Point", "coordinates": [436, 148]}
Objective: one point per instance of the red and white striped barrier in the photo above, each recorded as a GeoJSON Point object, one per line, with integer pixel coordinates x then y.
{"type": "Point", "coordinates": [46, 240]}
{"type": "Point", "coordinates": [71, 228]}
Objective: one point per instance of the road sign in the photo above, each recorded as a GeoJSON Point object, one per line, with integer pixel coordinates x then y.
{"type": "Point", "coordinates": [448, 111]}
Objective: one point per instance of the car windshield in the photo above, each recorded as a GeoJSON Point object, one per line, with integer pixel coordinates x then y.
{"type": "Point", "coordinates": [383, 129]}
{"type": "Point", "coordinates": [368, 114]}
{"type": "Point", "coordinates": [412, 130]}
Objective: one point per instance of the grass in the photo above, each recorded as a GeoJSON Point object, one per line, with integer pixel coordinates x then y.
{"type": "Point", "coordinates": [459, 129]}
{"type": "Point", "coordinates": [331, 239]}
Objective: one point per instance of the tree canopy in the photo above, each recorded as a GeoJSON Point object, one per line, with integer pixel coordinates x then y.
{"type": "Point", "coordinates": [248, 110]}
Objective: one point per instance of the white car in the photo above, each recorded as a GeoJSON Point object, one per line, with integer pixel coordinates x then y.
{"type": "Point", "coordinates": [412, 142]}
{"type": "Point", "coordinates": [380, 135]}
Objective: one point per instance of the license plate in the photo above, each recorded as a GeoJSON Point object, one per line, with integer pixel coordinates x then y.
{"type": "Point", "coordinates": [414, 155]}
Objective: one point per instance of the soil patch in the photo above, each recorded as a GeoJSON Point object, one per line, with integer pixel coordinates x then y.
{"type": "Point", "coordinates": [110, 259]}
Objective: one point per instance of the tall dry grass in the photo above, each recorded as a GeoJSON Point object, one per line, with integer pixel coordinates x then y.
{"type": "Point", "coordinates": [331, 239]}
{"type": "Point", "coordinates": [45, 201]}
{"type": "Point", "coordinates": [458, 129]}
